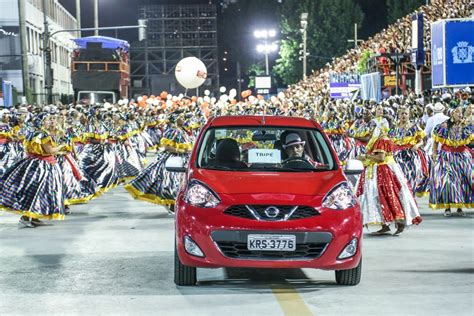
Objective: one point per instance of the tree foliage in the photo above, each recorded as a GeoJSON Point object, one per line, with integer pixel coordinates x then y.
{"type": "Point", "coordinates": [330, 25]}
{"type": "Point", "coordinates": [399, 8]}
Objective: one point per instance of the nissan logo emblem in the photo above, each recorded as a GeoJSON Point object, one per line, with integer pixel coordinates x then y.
{"type": "Point", "coordinates": [272, 211]}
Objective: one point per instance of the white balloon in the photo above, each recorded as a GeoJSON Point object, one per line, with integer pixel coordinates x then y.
{"type": "Point", "coordinates": [156, 102]}
{"type": "Point", "coordinates": [207, 99]}
{"type": "Point", "coordinates": [224, 98]}
{"type": "Point", "coordinates": [190, 72]}
{"type": "Point", "coordinates": [200, 99]}
{"type": "Point", "coordinates": [169, 103]}
{"type": "Point", "coordinates": [139, 99]}
{"type": "Point", "coordinates": [180, 96]}
{"type": "Point", "coordinates": [175, 98]}
{"type": "Point", "coordinates": [222, 89]}
{"type": "Point", "coordinates": [125, 101]}
{"type": "Point", "coordinates": [213, 100]}
{"type": "Point", "coordinates": [207, 92]}
{"type": "Point", "coordinates": [232, 93]}
{"type": "Point", "coordinates": [120, 102]}
{"type": "Point", "coordinates": [251, 98]}
{"type": "Point", "coordinates": [169, 96]}
{"type": "Point", "coordinates": [149, 101]}
{"type": "Point", "coordinates": [281, 95]}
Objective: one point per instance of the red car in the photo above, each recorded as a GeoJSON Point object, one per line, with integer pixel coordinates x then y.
{"type": "Point", "coordinates": [266, 192]}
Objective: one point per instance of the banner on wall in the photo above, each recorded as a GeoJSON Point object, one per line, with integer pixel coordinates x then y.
{"type": "Point", "coordinates": [6, 94]}
{"type": "Point", "coordinates": [452, 57]}
{"type": "Point", "coordinates": [343, 85]}
{"type": "Point", "coordinates": [371, 88]}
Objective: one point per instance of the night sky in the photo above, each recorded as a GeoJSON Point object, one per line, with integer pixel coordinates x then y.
{"type": "Point", "coordinates": [124, 12]}
{"type": "Point", "coordinates": [117, 12]}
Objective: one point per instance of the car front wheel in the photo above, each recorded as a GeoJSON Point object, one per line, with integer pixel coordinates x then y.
{"type": "Point", "coordinates": [183, 275]}
{"type": "Point", "coordinates": [349, 277]}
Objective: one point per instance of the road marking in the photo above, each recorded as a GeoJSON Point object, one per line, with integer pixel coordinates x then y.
{"type": "Point", "coordinates": [291, 302]}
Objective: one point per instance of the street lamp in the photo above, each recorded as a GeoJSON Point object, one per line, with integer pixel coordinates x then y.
{"type": "Point", "coordinates": [96, 17]}
{"type": "Point", "coordinates": [304, 26]}
{"type": "Point", "coordinates": [265, 48]}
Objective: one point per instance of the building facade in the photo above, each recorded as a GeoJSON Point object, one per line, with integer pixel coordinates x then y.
{"type": "Point", "coordinates": [21, 54]}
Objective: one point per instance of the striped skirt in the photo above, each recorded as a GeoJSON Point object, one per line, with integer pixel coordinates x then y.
{"type": "Point", "coordinates": [8, 156]}
{"type": "Point", "coordinates": [139, 145]}
{"type": "Point", "coordinates": [98, 161]}
{"type": "Point", "coordinates": [155, 135]}
{"type": "Point", "coordinates": [34, 188]}
{"type": "Point", "coordinates": [451, 181]}
{"type": "Point", "coordinates": [78, 187]}
{"type": "Point", "coordinates": [127, 160]}
{"type": "Point", "coordinates": [156, 185]}
{"type": "Point", "coordinates": [415, 169]}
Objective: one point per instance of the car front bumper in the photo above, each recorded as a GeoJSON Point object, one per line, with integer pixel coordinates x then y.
{"type": "Point", "coordinates": [223, 239]}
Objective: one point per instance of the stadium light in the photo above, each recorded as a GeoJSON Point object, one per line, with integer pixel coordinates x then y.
{"type": "Point", "coordinates": [266, 48]}
{"type": "Point", "coordinates": [304, 26]}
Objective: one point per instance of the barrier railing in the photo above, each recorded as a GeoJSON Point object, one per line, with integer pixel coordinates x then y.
{"type": "Point", "coordinates": [112, 66]}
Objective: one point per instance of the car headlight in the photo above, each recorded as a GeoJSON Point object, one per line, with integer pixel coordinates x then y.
{"type": "Point", "coordinates": [198, 194]}
{"type": "Point", "coordinates": [340, 197]}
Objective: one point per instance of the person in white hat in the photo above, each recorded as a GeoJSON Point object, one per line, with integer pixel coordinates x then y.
{"type": "Point", "coordinates": [294, 148]}
{"type": "Point", "coordinates": [437, 118]}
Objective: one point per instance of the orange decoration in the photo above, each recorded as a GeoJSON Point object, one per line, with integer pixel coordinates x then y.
{"type": "Point", "coordinates": [163, 95]}
{"type": "Point", "coordinates": [246, 93]}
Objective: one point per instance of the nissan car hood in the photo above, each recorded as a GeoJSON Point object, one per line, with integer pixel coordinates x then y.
{"type": "Point", "coordinates": [300, 183]}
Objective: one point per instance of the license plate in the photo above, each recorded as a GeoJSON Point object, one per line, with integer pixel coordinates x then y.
{"type": "Point", "coordinates": [271, 242]}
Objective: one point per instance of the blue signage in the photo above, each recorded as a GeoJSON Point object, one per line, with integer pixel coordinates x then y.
{"type": "Point", "coordinates": [343, 85]}
{"type": "Point", "coordinates": [417, 47]}
{"type": "Point", "coordinates": [437, 54]}
{"type": "Point", "coordinates": [460, 52]}
{"type": "Point", "coordinates": [452, 53]}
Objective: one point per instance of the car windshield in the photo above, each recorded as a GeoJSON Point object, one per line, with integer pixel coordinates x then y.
{"type": "Point", "coordinates": [270, 149]}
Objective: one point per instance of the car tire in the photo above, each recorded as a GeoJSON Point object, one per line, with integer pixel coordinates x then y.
{"type": "Point", "coordinates": [183, 275]}
{"type": "Point", "coordinates": [349, 277]}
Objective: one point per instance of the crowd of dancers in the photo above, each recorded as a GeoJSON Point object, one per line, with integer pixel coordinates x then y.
{"type": "Point", "coordinates": [52, 157]}
{"type": "Point", "coordinates": [56, 156]}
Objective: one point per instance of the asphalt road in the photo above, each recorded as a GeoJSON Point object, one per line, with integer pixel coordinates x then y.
{"type": "Point", "coordinates": [115, 256]}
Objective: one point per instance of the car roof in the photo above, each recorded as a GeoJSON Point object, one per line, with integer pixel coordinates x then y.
{"type": "Point", "coordinates": [259, 120]}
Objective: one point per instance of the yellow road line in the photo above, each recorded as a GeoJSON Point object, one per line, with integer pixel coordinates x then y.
{"type": "Point", "coordinates": [291, 302]}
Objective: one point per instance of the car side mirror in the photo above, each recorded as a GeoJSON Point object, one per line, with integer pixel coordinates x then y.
{"type": "Point", "coordinates": [354, 167]}
{"type": "Point", "coordinates": [175, 164]}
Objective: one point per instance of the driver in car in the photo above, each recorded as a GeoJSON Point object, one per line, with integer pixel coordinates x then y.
{"type": "Point", "coordinates": [294, 148]}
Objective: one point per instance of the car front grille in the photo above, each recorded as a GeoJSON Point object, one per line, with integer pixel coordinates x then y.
{"type": "Point", "coordinates": [237, 250]}
{"type": "Point", "coordinates": [233, 244]}
{"type": "Point", "coordinates": [262, 212]}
